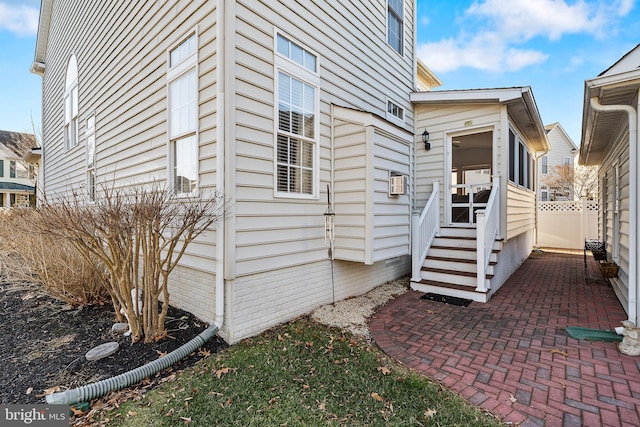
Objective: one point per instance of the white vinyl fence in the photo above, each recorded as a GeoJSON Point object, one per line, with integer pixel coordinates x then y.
{"type": "Point", "coordinates": [566, 225]}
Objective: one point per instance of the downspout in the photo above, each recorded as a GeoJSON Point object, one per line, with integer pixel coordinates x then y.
{"type": "Point", "coordinates": [100, 388]}
{"type": "Point", "coordinates": [633, 199]}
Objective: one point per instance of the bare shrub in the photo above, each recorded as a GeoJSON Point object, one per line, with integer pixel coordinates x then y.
{"type": "Point", "coordinates": [28, 254]}
{"type": "Point", "coordinates": [139, 234]}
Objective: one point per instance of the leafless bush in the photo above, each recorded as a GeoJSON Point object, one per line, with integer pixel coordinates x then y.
{"type": "Point", "coordinates": [139, 235]}
{"type": "Point", "coordinates": [28, 254]}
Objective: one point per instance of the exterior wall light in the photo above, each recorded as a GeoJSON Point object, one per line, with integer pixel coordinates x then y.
{"type": "Point", "coordinates": [425, 139]}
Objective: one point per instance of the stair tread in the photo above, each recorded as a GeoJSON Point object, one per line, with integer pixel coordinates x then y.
{"type": "Point", "coordinates": [451, 286]}
{"type": "Point", "coordinates": [455, 248]}
{"type": "Point", "coordinates": [461, 260]}
{"type": "Point", "coordinates": [454, 272]}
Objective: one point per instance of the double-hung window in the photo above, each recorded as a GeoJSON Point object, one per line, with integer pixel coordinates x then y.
{"type": "Point", "coordinates": [297, 104]}
{"type": "Point", "coordinates": [545, 165]}
{"type": "Point", "coordinates": [395, 19]}
{"type": "Point", "coordinates": [182, 80]}
{"type": "Point", "coordinates": [71, 104]}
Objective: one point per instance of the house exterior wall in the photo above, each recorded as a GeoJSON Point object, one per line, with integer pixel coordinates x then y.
{"type": "Point", "coordinates": [122, 81]}
{"type": "Point", "coordinates": [561, 147]}
{"type": "Point", "coordinates": [23, 176]}
{"type": "Point", "coordinates": [370, 224]}
{"type": "Point", "coordinates": [521, 211]}
{"type": "Point", "coordinates": [614, 211]}
{"type": "Point", "coordinates": [122, 55]}
{"type": "Point", "coordinates": [263, 300]}
{"type": "Point", "coordinates": [292, 230]}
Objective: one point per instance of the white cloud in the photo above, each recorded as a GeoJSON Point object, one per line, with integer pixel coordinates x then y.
{"type": "Point", "coordinates": [483, 53]}
{"type": "Point", "coordinates": [494, 33]}
{"type": "Point", "coordinates": [19, 19]}
{"type": "Point", "coordinates": [525, 19]}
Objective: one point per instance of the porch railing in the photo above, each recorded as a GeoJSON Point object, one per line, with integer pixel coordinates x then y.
{"type": "Point", "coordinates": [425, 227]}
{"type": "Point", "coordinates": [487, 228]}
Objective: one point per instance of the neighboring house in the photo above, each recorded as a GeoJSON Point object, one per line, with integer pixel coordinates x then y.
{"type": "Point", "coordinates": [562, 154]}
{"type": "Point", "coordinates": [17, 177]}
{"type": "Point", "coordinates": [610, 140]}
{"type": "Point", "coordinates": [478, 225]}
{"type": "Point", "coordinates": [271, 102]}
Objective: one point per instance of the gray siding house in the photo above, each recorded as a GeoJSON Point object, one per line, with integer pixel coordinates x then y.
{"type": "Point", "coordinates": [275, 104]}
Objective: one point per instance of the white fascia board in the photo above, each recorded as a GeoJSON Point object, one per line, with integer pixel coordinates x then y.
{"type": "Point", "coordinates": [468, 96]}
{"type": "Point", "coordinates": [42, 38]}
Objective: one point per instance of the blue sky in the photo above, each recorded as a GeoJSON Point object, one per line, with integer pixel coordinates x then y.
{"type": "Point", "coordinates": [550, 45]}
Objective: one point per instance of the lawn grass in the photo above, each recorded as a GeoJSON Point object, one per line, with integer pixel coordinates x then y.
{"type": "Point", "coordinates": [299, 374]}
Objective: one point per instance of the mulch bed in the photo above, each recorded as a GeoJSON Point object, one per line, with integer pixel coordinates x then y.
{"type": "Point", "coordinates": [44, 342]}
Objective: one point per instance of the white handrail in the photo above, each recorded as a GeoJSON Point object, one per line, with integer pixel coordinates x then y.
{"type": "Point", "coordinates": [425, 227]}
{"type": "Point", "coordinates": [487, 224]}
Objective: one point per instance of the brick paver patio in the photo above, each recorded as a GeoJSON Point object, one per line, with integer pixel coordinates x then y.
{"type": "Point", "coordinates": [512, 356]}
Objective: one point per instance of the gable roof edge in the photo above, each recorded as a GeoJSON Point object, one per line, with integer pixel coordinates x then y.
{"type": "Point", "coordinates": [42, 39]}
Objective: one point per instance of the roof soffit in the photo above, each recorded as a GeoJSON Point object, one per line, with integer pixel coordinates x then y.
{"type": "Point", "coordinates": [599, 128]}
{"type": "Point", "coordinates": [42, 38]}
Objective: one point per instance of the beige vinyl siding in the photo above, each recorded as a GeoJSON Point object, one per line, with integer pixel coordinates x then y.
{"type": "Point", "coordinates": [521, 212]}
{"type": "Point", "coordinates": [618, 155]}
{"type": "Point", "coordinates": [122, 78]}
{"type": "Point", "coordinates": [290, 231]}
{"type": "Point", "coordinates": [125, 86]}
{"type": "Point", "coordinates": [350, 185]}
{"type": "Point", "coordinates": [391, 216]}
{"type": "Point", "coordinates": [370, 225]}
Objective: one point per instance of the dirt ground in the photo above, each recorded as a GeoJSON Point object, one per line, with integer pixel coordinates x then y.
{"type": "Point", "coordinates": [44, 343]}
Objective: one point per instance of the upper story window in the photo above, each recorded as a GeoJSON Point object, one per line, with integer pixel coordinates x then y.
{"type": "Point", "coordinates": [296, 154]}
{"type": "Point", "coordinates": [566, 161]}
{"type": "Point", "coordinates": [545, 165]}
{"type": "Point", "coordinates": [71, 104]}
{"type": "Point", "coordinates": [182, 78]}
{"type": "Point", "coordinates": [297, 53]}
{"type": "Point", "coordinates": [395, 24]}
{"type": "Point", "coordinates": [395, 113]}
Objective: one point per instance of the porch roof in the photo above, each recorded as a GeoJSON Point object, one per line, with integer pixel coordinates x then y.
{"type": "Point", "coordinates": [520, 103]}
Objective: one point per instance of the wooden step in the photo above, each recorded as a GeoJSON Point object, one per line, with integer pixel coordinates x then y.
{"type": "Point", "coordinates": [449, 289]}
{"type": "Point", "coordinates": [454, 272]}
{"type": "Point", "coordinates": [461, 260]}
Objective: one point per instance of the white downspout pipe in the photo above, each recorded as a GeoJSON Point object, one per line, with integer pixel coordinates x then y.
{"type": "Point", "coordinates": [220, 160]}
{"type": "Point", "coordinates": [634, 256]}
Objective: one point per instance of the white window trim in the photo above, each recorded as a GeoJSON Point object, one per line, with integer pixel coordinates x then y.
{"type": "Point", "coordinates": [544, 165]}
{"type": "Point", "coordinates": [295, 70]}
{"type": "Point", "coordinates": [527, 165]}
{"type": "Point", "coordinates": [392, 118]}
{"type": "Point", "coordinates": [68, 93]}
{"type": "Point", "coordinates": [185, 66]}
{"type": "Point", "coordinates": [403, 20]}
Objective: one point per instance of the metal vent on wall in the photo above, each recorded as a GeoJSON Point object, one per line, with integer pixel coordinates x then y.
{"type": "Point", "coordinates": [397, 184]}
